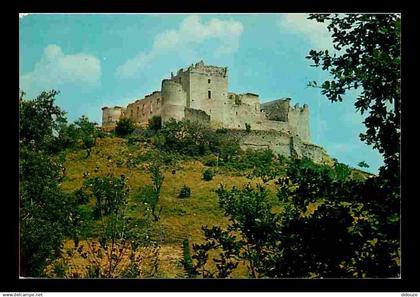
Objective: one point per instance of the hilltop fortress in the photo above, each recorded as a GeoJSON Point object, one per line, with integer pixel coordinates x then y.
{"type": "Point", "coordinates": [200, 93]}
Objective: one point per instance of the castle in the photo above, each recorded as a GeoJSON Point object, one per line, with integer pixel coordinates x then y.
{"type": "Point", "coordinates": [200, 93]}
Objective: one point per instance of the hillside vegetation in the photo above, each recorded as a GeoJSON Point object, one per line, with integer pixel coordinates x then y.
{"type": "Point", "coordinates": [182, 200]}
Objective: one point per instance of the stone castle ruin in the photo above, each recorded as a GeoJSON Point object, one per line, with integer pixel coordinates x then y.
{"type": "Point", "coordinates": [200, 93]}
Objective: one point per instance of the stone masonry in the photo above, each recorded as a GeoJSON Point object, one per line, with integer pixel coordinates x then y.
{"type": "Point", "coordinates": [200, 93]}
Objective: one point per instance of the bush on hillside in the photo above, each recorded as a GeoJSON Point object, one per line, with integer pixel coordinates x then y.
{"type": "Point", "coordinates": [247, 127]}
{"type": "Point", "coordinates": [208, 174]}
{"type": "Point", "coordinates": [124, 127]}
{"type": "Point", "coordinates": [155, 123]}
{"type": "Point", "coordinates": [185, 192]}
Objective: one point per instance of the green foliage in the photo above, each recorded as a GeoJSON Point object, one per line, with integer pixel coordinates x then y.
{"type": "Point", "coordinates": [81, 196]}
{"type": "Point", "coordinates": [195, 139]}
{"type": "Point", "coordinates": [40, 121]}
{"type": "Point", "coordinates": [46, 214]}
{"type": "Point", "coordinates": [363, 164]}
{"type": "Point", "coordinates": [348, 216]}
{"type": "Point", "coordinates": [208, 174]}
{"type": "Point", "coordinates": [210, 160]}
{"type": "Point", "coordinates": [266, 165]}
{"type": "Point", "coordinates": [159, 141]}
{"type": "Point", "coordinates": [330, 225]}
{"type": "Point", "coordinates": [228, 260]}
{"type": "Point", "coordinates": [262, 164]}
{"type": "Point", "coordinates": [187, 261]}
{"type": "Point", "coordinates": [87, 133]}
{"type": "Point", "coordinates": [248, 127]}
{"type": "Point", "coordinates": [157, 180]}
{"type": "Point", "coordinates": [371, 61]}
{"type": "Point", "coordinates": [185, 192]}
{"type": "Point", "coordinates": [125, 126]}
{"type": "Point", "coordinates": [251, 219]}
{"type": "Point", "coordinates": [118, 237]}
{"type": "Point", "coordinates": [155, 123]}
{"type": "Point", "coordinates": [222, 130]}
{"type": "Point", "coordinates": [110, 193]}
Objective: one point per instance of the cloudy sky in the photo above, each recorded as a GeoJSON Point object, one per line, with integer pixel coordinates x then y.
{"type": "Point", "coordinates": [113, 59]}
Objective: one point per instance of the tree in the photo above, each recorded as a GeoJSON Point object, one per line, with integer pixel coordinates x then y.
{"type": "Point", "coordinates": [119, 250]}
{"type": "Point", "coordinates": [249, 236]}
{"type": "Point", "coordinates": [125, 126]}
{"type": "Point", "coordinates": [46, 214]}
{"type": "Point", "coordinates": [248, 127]}
{"type": "Point", "coordinates": [40, 121]}
{"type": "Point", "coordinates": [368, 57]}
{"type": "Point", "coordinates": [157, 181]}
{"type": "Point", "coordinates": [363, 164]}
{"type": "Point", "coordinates": [87, 133]}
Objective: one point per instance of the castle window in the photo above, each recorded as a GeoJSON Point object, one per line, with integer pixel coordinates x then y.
{"type": "Point", "coordinates": [209, 94]}
{"type": "Point", "coordinates": [209, 80]}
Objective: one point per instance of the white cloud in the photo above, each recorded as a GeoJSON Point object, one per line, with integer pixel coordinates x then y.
{"type": "Point", "coordinates": [191, 32]}
{"type": "Point", "coordinates": [316, 33]}
{"type": "Point", "coordinates": [56, 68]}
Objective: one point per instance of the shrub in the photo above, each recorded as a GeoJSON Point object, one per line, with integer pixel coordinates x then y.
{"type": "Point", "coordinates": [248, 127]}
{"type": "Point", "coordinates": [81, 196]}
{"type": "Point", "coordinates": [185, 192]}
{"type": "Point", "coordinates": [210, 160]}
{"type": "Point", "coordinates": [208, 174]}
{"type": "Point", "coordinates": [124, 127]}
{"type": "Point", "coordinates": [187, 261]}
{"type": "Point", "coordinates": [193, 139]}
{"type": "Point", "coordinates": [155, 123]}
{"type": "Point", "coordinates": [150, 194]}
{"type": "Point", "coordinates": [110, 193]}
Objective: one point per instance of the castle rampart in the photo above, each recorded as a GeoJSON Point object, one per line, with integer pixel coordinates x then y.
{"type": "Point", "coordinates": [200, 93]}
{"type": "Point", "coordinates": [142, 110]}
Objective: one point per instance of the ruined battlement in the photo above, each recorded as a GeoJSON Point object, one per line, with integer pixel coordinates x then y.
{"type": "Point", "coordinates": [200, 92]}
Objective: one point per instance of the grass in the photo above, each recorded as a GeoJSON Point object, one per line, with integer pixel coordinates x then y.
{"type": "Point", "coordinates": [180, 218]}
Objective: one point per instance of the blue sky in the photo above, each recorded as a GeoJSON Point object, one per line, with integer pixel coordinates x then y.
{"type": "Point", "coordinates": [113, 59]}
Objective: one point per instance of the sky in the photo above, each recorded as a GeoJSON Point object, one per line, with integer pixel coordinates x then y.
{"type": "Point", "coordinates": [97, 60]}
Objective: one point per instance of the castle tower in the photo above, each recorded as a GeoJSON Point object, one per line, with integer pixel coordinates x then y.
{"type": "Point", "coordinates": [298, 118]}
{"type": "Point", "coordinates": [110, 117]}
{"type": "Point", "coordinates": [209, 91]}
{"type": "Point", "coordinates": [174, 100]}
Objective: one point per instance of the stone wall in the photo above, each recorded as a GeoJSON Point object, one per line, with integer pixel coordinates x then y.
{"type": "Point", "coordinates": [196, 115]}
{"type": "Point", "coordinates": [298, 119]}
{"type": "Point", "coordinates": [277, 110]}
{"type": "Point", "coordinates": [142, 110]}
{"type": "Point", "coordinates": [200, 93]}
{"type": "Point", "coordinates": [280, 143]}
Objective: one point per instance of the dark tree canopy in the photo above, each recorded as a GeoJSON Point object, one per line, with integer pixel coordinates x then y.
{"type": "Point", "coordinates": [368, 57]}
